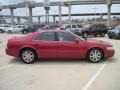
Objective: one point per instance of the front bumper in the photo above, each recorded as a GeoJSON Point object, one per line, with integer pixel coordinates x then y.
{"type": "Point", "coordinates": [109, 53]}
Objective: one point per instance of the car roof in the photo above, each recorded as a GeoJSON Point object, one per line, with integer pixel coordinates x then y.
{"type": "Point", "coordinates": [51, 30]}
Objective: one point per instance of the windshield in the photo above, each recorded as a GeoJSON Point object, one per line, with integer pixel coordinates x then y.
{"type": "Point", "coordinates": [118, 27]}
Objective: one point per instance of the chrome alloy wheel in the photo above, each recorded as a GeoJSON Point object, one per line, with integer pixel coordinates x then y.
{"type": "Point", "coordinates": [95, 55]}
{"type": "Point", "coordinates": [28, 56]}
{"type": "Point", "coordinates": [85, 35]}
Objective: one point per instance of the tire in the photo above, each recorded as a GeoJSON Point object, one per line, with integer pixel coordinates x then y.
{"type": "Point", "coordinates": [1, 31]}
{"type": "Point", "coordinates": [9, 31]}
{"type": "Point", "coordinates": [28, 56]}
{"type": "Point", "coordinates": [95, 55]}
{"type": "Point", "coordinates": [95, 35]}
{"type": "Point", "coordinates": [85, 35]}
{"type": "Point", "coordinates": [110, 37]}
{"type": "Point", "coordinates": [24, 31]}
{"type": "Point", "coordinates": [102, 35]}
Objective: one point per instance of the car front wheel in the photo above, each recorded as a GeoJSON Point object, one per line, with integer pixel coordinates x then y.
{"type": "Point", "coordinates": [85, 35]}
{"type": "Point", "coordinates": [102, 35]}
{"type": "Point", "coordinates": [1, 31]}
{"type": "Point", "coordinates": [28, 56]}
{"type": "Point", "coordinates": [95, 55]}
{"type": "Point", "coordinates": [9, 31]}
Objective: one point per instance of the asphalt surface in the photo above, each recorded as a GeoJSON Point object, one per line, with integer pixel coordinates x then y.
{"type": "Point", "coordinates": [59, 74]}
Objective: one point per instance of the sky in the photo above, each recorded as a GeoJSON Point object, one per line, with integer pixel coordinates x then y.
{"type": "Point", "coordinates": [54, 10]}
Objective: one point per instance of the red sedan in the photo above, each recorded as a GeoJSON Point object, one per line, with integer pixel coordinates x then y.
{"type": "Point", "coordinates": [56, 44]}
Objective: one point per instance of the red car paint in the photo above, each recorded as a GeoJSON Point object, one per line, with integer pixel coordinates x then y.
{"type": "Point", "coordinates": [56, 49]}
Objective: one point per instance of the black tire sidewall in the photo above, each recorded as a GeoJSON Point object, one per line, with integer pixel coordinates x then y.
{"type": "Point", "coordinates": [25, 32]}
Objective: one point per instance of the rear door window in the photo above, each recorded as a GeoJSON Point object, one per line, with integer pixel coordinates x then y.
{"type": "Point", "coordinates": [46, 36]}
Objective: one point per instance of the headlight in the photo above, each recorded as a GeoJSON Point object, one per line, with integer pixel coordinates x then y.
{"type": "Point", "coordinates": [109, 48]}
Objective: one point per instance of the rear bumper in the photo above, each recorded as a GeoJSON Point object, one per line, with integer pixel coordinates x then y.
{"type": "Point", "coordinates": [12, 52]}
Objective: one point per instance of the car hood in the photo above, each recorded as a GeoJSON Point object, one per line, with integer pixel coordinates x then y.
{"type": "Point", "coordinates": [10, 28]}
{"type": "Point", "coordinates": [111, 30]}
{"type": "Point", "coordinates": [98, 42]}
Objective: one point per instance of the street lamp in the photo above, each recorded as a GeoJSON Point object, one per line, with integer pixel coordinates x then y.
{"type": "Point", "coordinates": [47, 8]}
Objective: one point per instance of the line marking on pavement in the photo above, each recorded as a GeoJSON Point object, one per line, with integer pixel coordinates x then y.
{"type": "Point", "coordinates": [6, 66]}
{"type": "Point", "coordinates": [94, 77]}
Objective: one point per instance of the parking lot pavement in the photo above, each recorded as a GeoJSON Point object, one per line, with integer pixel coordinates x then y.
{"type": "Point", "coordinates": [59, 75]}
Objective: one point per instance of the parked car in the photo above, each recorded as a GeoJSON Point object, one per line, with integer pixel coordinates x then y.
{"type": "Point", "coordinates": [114, 33]}
{"type": "Point", "coordinates": [50, 27]}
{"type": "Point", "coordinates": [15, 29]}
{"type": "Point", "coordinates": [3, 27]}
{"type": "Point", "coordinates": [57, 44]}
{"type": "Point", "coordinates": [94, 29]}
{"type": "Point", "coordinates": [110, 27]}
{"type": "Point", "coordinates": [75, 28]}
{"type": "Point", "coordinates": [31, 29]}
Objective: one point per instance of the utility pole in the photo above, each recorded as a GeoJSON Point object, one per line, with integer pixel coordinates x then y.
{"type": "Point", "coordinates": [47, 8]}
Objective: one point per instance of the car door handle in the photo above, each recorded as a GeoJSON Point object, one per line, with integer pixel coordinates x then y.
{"type": "Point", "coordinates": [61, 45]}
{"type": "Point", "coordinates": [35, 43]}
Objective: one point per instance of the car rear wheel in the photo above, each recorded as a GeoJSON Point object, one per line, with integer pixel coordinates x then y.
{"type": "Point", "coordinates": [28, 56]}
{"type": "Point", "coordinates": [24, 32]}
{"type": "Point", "coordinates": [9, 31]}
{"type": "Point", "coordinates": [95, 55]}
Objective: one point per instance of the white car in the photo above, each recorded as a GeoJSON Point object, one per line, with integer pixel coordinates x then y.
{"type": "Point", "coordinates": [75, 28]}
{"type": "Point", "coordinates": [4, 27]}
{"type": "Point", "coordinates": [15, 29]}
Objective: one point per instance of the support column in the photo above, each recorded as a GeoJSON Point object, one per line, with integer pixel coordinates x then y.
{"type": "Point", "coordinates": [18, 20]}
{"type": "Point", "coordinates": [60, 15]}
{"type": "Point", "coordinates": [30, 15]}
{"type": "Point", "coordinates": [39, 19]}
{"type": "Point", "coordinates": [109, 14]}
{"type": "Point", "coordinates": [109, 4]}
{"type": "Point", "coordinates": [54, 18]}
{"type": "Point", "coordinates": [69, 15]}
{"type": "Point", "coordinates": [12, 16]}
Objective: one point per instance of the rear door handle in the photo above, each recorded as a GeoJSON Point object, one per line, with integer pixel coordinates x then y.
{"type": "Point", "coordinates": [61, 45]}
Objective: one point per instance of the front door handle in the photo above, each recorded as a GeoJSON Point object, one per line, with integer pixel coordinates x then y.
{"type": "Point", "coordinates": [35, 44]}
